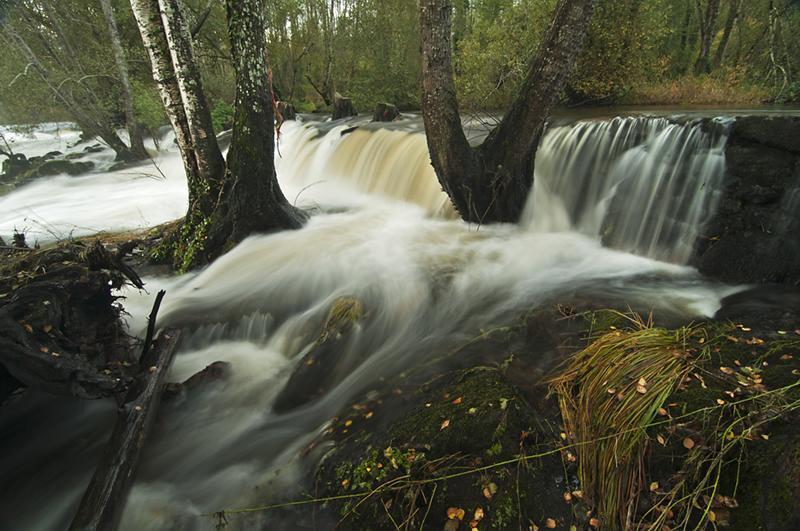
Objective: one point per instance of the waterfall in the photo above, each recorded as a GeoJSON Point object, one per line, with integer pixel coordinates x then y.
{"type": "Point", "coordinates": [640, 184]}
{"type": "Point", "coordinates": [643, 185]}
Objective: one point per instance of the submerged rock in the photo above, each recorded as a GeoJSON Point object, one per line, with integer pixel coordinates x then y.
{"type": "Point", "coordinates": [55, 167]}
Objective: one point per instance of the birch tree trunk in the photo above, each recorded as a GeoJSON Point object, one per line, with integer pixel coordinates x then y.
{"type": "Point", "coordinates": [134, 131]}
{"type": "Point", "coordinates": [210, 164]}
{"type": "Point", "coordinates": [148, 19]}
{"type": "Point", "coordinates": [490, 183]}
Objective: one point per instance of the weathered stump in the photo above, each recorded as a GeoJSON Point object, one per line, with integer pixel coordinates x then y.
{"type": "Point", "coordinates": [343, 107]}
{"type": "Point", "coordinates": [385, 112]}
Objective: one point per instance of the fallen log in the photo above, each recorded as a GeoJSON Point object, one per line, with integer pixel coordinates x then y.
{"type": "Point", "coordinates": [104, 500]}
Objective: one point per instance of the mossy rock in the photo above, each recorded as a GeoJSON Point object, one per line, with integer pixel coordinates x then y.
{"type": "Point", "coordinates": [458, 446]}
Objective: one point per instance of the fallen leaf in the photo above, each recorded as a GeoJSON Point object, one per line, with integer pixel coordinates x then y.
{"type": "Point", "coordinates": [55, 354]}
{"type": "Point", "coordinates": [473, 524]}
{"type": "Point", "coordinates": [348, 423]}
{"type": "Point", "coordinates": [445, 424]}
{"type": "Point", "coordinates": [654, 486]}
{"type": "Point", "coordinates": [458, 400]}
{"type": "Point", "coordinates": [727, 370]}
{"type": "Point", "coordinates": [577, 493]}
{"type": "Point", "coordinates": [550, 523]}
{"type": "Point", "coordinates": [641, 389]}
{"type": "Point", "coordinates": [661, 440]}
{"type": "Point", "coordinates": [472, 410]}
{"type": "Point", "coordinates": [765, 436]}
{"type": "Point", "coordinates": [46, 328]}
{"type": "Point", "coordinates": [567, 497]}
{"type": "Point", "coordinates": [662, 412]}
{"type": "Point", "coordinates": [28, 328]}
{"type": "Point", "coordinates": [478, 513]}
{"type": "Point", "coordinates": [368, 415]}
{"type": "Point", "coordinates": [44, 349]}
{"type": "Point", "coordinates": [455, 512]}
{"type": "Point", "coordinates": [642, 381]}
{"type": "Point", "coordinates": [712, 517]}
{"type": "Point", "coordinates": [721, 402]}
{"type": "Point", "coordinates": [594, 522]}
{"type": "Point", "coordinates": [611, 390]}
{"type": "Point", "coordinates": [786, 357]}
{"type": "Point", "coordinates": [688, 443]}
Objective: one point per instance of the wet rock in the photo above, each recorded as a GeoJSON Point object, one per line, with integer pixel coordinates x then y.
{"type": "Point", "coordinates": [317, 371]}
{"type": "Point", "coordinates": [749, 239]}
{"type": "Point", "coordinates": [14, 166]}
{"type": "Point", "coordinates": [74, 156]}
{"type": "Point", "coordinates": [215, 373]}
{"type": "Point", "coordinates": [96, 148]}
{"type": "Point", "coordinates": [51, 155]}
{"type": "Point", "coordinates": [56, 167]}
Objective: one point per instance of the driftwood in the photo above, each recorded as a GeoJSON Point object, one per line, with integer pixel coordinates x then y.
{"type": "Point", "coordinates": [102, 503]}
{"type": "Point", "coordinates": [60, 330]}
{"type": "Point", "coordinates": [385, 112]}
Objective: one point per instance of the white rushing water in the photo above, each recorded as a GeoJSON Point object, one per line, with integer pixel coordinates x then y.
{"type": "Point", "coordinates": [384, 236]}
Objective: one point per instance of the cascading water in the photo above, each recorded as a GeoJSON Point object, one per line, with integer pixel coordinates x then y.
{"type": "Point", "coordinates": [645, 185]}
{"type": "Point", "coordinates": [426, 284]}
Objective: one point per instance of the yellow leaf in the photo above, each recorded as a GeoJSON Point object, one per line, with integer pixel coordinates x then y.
{"type": "Point", "coordinates": [765, 436]}
{"type": "Point", "coordinates": [711, 515]}
{"type": "Point", "coordinates": [478, 513]}
{"type": "Point", "coordinates": [642, 382]}
{"type": "Point", "coordinates": [661, 440]}
{"type": "Point", "coordinates": [550, 523]}
{"type": "Point", "coordinates": [445, 424]}
{"type": "Point", "coordinates": [567, 497]}
{"type": "Point", "coordinates": [654, 486]}
{"type": "Point", "coordinates": [641, 389]}
{"type": "Point", "coordinates": [348, 423]}
{"type": "Point", "coordinates": [727, 370]}
{"type": "Point", "coordinates": [662, 412]}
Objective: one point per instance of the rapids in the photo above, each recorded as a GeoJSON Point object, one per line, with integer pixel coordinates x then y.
{"type": "Point", "coordinates": [383, 232]}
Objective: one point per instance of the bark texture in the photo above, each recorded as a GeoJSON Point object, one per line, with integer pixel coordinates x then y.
{"type": "Point", "coordinates": [253, 200]}
{"type": "Point", "coordinates": [734, 8]}
{"type": "Point", "coordinates": [707, 24]}
{"type": "Point", "coordinates": [134, 130]}
{"type": "Point", "coordinates": [491, 182]}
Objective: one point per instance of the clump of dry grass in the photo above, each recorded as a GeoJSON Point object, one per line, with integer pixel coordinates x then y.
{"type": "Point", "coordinates": [609, 394]}
{"type": "Point", "coordinates": [727, 87]}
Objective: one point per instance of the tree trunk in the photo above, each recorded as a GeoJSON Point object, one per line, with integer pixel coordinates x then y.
{"type": "Point", "coordinates": [491, 183]}
{"type": "Point", "coordinates": [707, 23]}
{"type": "Point", "coordinates": [134, 130]}
{"type": "Point", "coordinates": [385, 112]}
{"type": "Point", "coordinates": [148, 19]}
{"type": "Point", "coordinates": [733, 15]}
{"type": "Point", "coordinates": [210, 164]}
{"type": "Point", "coordinates": [253, 199]}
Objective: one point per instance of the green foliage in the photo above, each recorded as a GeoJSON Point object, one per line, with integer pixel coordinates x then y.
{"type": "Point", "coordinates": [147, 105]}
{"type": "Point", "coordinates": [222, 116]}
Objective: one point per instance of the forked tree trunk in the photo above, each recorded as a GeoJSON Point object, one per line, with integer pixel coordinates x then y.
{"type": "Point", "coordinates": [148, 19]}
{"type": "Point", "coordinates": [134, 130]}
{"type": "Point", "coordinates": [210, 163]}
{"type": "Point", "coordinates": [253, 200]}
{"type": "Point", "coordinates": [707, 24]}
{"type": "Point", "coordinates": [490, 183]}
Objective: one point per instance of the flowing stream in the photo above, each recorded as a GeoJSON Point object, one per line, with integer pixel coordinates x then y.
{"type": "Point", "coordinates": [384, 233]}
